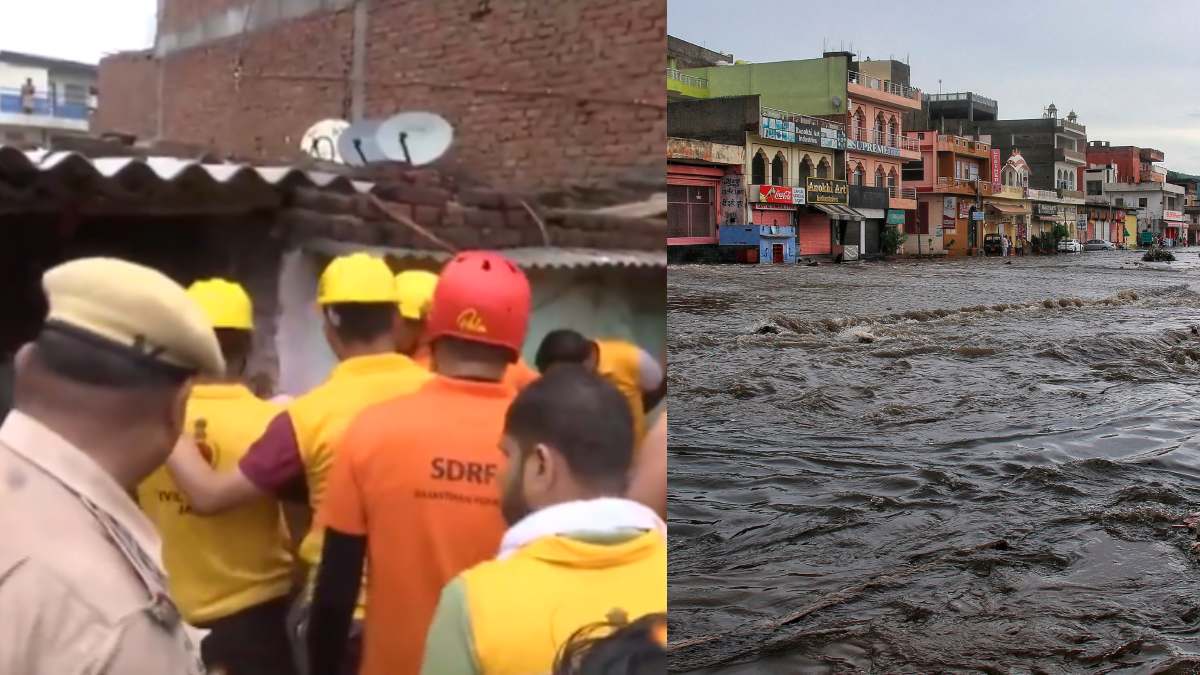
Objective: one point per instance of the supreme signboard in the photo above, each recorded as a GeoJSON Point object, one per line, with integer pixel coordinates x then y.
{"type": "Point", "coordinates": [828, 191]}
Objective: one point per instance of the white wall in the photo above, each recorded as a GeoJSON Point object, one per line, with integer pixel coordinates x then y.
{"type": "Point", "coordinates": [13, 76]}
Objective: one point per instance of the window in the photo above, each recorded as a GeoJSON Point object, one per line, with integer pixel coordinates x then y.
{"type": "Point", "coordinates": [860, 175]}
{"type": "Point", "coordinates": [823, 168]}
{"type": "Point", "coordinates": [1094, 187]}
{"type": "Point", "coordinates": [1120, 201]}
{"type": "Point", "coordinates": [690, 211]}
{"type": "Point", "coordinates": [913, 171]}
{"type": "Point", "coordinates": [1142, 202]}
{"type": "Point", "coordinates": [891, 182]}
{"type": "Point", "coordinates": [879, 176]}
{"type": "Point", "coordinates": [74, 93]}
{"type": "Point", "coordinates": [879, 126]}
{"type": "Point", "coordinates": [893, 132]}
{"type": "Point", "coordinates": [778, 170]}
{"type": "Point", "coordinates": [758, 169]}
{"type": "Point", "coordinates": [805, 169]}
{"type": "Point", "coordinates": [860, 123]}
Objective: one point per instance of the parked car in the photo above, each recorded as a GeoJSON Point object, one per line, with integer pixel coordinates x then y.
{"type": "Point", "coordinates": [992, 244]}
{"type": "Point", "coordinates": [1098, 245]}
{"type": "Point", "coordinates": [1070, 246]}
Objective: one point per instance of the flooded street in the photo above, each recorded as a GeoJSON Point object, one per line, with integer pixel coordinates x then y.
{"type": "Point", "coordinates": [955, 466]}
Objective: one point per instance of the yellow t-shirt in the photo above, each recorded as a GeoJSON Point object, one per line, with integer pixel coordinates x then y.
{"type": "Point", "coordinates": [524, 608]}
{"type": "Point", "coordinates": [320, 416]}
{"type": "Point", "coordinates": [219, 565]}
{"type": "Point", "coordinates": [620, 363]}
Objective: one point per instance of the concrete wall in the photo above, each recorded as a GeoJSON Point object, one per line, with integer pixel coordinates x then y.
{"type": "Point", "coordinates": [488, 72]}
{"type": "Point", "coordinates": [720, 120]}
{"type": "Point", "coordinates": [806, 87]}
{"type": "Point", "coordinates": [12, 76]}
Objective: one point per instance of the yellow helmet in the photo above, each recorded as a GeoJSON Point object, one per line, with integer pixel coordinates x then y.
{"type": "Point", "coordinates": [358, 277]}
{"type": "Point", "coordinates": [415, 290]}
{"type": "Point", "coordinates": [225, 303]}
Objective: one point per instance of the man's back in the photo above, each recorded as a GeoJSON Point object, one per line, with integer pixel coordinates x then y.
{"type": "Point", "coordinates": [418, 476]}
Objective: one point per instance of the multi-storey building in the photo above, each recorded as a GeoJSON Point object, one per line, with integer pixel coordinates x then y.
{"type": "Point", "coordinates": [42, 97]}
{"type": "Point", "coordinates": [869, 99]}
{"type": "Point", "coordinates": [951, 179]}
{"type": "Point", "coordinates": [1127, 178]}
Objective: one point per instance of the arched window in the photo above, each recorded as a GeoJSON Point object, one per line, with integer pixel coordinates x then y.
{"type": "Point", "coordinates": [779, 170]}
{"type": "Point", "coordinates": [879, 176]}
{"type": "Point", "coordinates": [893, 132]}
{"type": "Point", "coordinates": [860, 175]}
{"type": "Point", "coordinates": [1008, 176]}
{"type": "Point", "coordinates": [879, 128]}
{"type": "Point", "coordinates": [891, 182]}
{"type": "Point", "coordinates": [823, 168]}
{"type": "Point", "coordinates": [860, 124]}
{"type": "Point", "coordinates": [806, 169]}
{"type": "Point", "coordinates": [758, 169]}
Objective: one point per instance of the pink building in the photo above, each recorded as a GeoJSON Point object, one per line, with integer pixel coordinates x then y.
{"type": "Point", "coordinates": [952, 176]}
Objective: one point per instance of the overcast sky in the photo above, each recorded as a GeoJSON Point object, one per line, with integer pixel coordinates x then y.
{"type": "Point", "coordinates": [1131, 70]}
{"type": "Point", "coordinates": [78, 30]}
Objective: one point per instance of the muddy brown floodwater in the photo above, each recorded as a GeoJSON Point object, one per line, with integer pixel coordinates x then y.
{"type": "Point", "coordinates": [958, 466]}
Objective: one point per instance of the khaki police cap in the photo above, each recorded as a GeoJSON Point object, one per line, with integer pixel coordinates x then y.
{"type": "Point", "coordinates": [136, 308]}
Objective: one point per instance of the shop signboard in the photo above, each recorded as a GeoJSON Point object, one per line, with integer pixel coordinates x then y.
{"type": "Point", "coordinates": [733, 198]}
{"type": "Point", "coordinates": [964, 208]}
{"type": "Point", "coordinates": [948, 209]}
{"type": "Point", "coordinates": [1081, 221]}
{"type": "Point", "coordinates": [1047, 210]}
{"type": "Point", "coordinates": [948, 222]}
{"type": "Point", "coordinates": [977, 214]}
{"type": "Point", "coordinates": [828, 191]}
{"type": "Point", "coordinates": [863, 146]}
{"type": "Point", "coordinates": [1172, 215]}
{"type": "Point", "coordinates": [833, 138]}
{"type": "Point", "coordinates": [777, 129]}
{"type": "Point", "coordinates": [808, 134]}
{"type": "Point", "coordinates": [775, 194]}
{"type": "Point", "coordinates": [996, 169]}
{"type": "Point", "coordinates": [895, 217]}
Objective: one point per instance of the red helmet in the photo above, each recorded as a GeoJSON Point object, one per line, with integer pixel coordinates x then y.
{"type": "Point", "coordinates": [483, 297]}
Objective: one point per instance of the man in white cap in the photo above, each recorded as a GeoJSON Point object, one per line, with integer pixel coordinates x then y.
{"type": "Point", "coordinates": [100, 400]}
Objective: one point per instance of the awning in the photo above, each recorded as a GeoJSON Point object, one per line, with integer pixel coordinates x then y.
{"type": "Point", "coordinates": [839, 212]}
{"type": "Point", "coordinates": [872, 214]}
{"type": "Point", "coordinates": [1006, 209]}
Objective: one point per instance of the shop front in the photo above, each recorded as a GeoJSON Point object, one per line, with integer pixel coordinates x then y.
{"type": "Point", "coordinates": [774, 204]}
{"type": "Point", "coordinates": [1010, 219]}
{"type": "Point", "coordinates": [872, 204]}
{"type": "Point", "coordinates": [1174, 226]}
{"type": "Point", "coordinates": [822, 226]}
{"type": "Point", "coordinates": [693, 201]}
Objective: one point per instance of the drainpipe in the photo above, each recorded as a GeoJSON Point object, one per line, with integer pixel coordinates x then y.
{"type": "Point", "coordinates": [358, 66]}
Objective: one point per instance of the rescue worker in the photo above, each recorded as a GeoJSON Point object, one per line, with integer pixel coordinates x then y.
{"type": "Point", "coordinates": [576, 552]}
{"type": "Point", "coordinates": [648, 479]}
{"type": "Point", "coordinates": [232, 573]}
{"type": "Point", "coordinates": [357, 297]}
{"type": "Point", "coordinates": [416, 293]}
{"type": "Point", "coordinates": [628, 367]}
{"type": "Point", "coordinates": [414, 484]}
{"type": "Point", "coordinates": [414, 289]}
{"type": "Point", "coordinates": [100, 399]}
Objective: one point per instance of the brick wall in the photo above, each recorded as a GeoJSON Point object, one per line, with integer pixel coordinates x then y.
{"type": "Point", "coordinates": [442, 56]}
{"type": "Point", "coordinates": [129, 81]}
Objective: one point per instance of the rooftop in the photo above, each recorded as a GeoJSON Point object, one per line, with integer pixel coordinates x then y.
{"type": "Point", "coordinates": [47, 62]}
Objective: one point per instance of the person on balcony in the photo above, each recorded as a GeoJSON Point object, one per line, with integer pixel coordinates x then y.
{"type": "Point", "coordinates": [27, 93]}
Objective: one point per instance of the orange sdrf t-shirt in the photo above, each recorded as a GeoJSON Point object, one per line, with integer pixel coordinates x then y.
{"type": "Point", "coordinates": [420, 477]}
{"type": "Point", "coordinates": [518, 376]}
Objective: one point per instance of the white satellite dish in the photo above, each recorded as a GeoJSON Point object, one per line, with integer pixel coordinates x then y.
{"type": "Point", "coordinates": [320, 141]}
{"type": "Point", "coordinates": [357, 144]}
{"type": "Point", "coordinates": [415, 138]}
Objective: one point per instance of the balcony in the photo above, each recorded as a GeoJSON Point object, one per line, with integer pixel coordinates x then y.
{"type": "Point", "coordinates": [1072, 126]}
{"type": "Point", "coordinates": [963, 96]}
{"type": "Point", "coordinates": [963, 146]}
{"type": "Point", "coordinates": [1043, 195]}
{"type": "Point", "coordinates": [1069, 155]}
{"type": "Point", "coordinates": [958, 186]}
{"type": "Point", "coordinates": [45, 112]}
{"type": "Point", "coordinates": [1066, 193]}
{"type": "Point", "coordinates": [797, 118]}
{"type": "Point", "coordinates": [902, 198]}
{"type": "Point", "coordinates": [1151, 155]}
{"type": "Point", "coordinates": [685, 85]}
{"type": "Point", "coordinates": [881, 143]}
{"type": "Point", "coordinates": [883, 91]}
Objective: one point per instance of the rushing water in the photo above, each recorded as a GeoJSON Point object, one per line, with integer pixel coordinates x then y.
{"type": "Point", "coordinates": [956, 466]}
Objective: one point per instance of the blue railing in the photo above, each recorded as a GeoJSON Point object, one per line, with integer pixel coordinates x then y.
{"type": "Point", "coordinates": [11, 102]}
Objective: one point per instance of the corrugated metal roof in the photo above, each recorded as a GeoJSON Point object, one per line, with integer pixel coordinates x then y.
{"type": "Point", "coordinates": [539, 257]}
{"type": "Point", "coordinates": [123, 171]}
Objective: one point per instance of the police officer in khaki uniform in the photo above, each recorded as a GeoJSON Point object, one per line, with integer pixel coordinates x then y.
{"type": "Point", "coordinates": [100, 400]}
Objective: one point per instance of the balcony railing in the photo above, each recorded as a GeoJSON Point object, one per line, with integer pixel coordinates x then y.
{"type": "Point", "coordinates": [887, 86]}
{"type": "Point", "coordinates": [11, 101]}
{"type": "Point", "coordinates": [964, 144]}
{"type": "Point", "coordinates": [690, 80]}
{"type": "Point", "coordinates": [1072, 126]}
{"type": "Point", "coordinates": [885, 138]}
{"type": "Point", "coordinates": [902, 193]}
{"type": "Point", "coordinates": [960, 183]}
{"type": "Point", "coordinates": [797, 118]}
{"type": "Point", "coordinates": [961, 96]}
